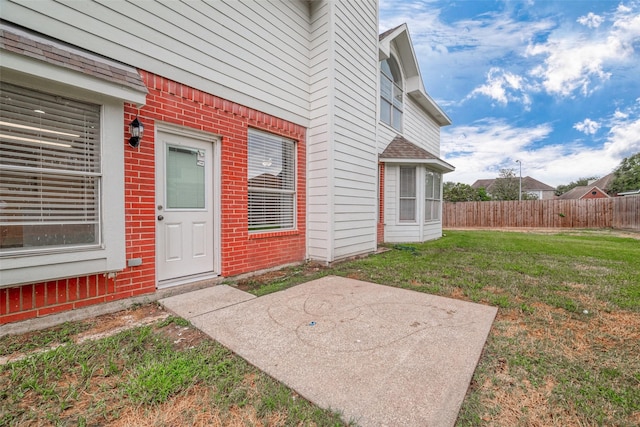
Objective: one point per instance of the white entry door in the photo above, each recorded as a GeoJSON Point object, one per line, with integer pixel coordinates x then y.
{"type": "Point", "coordinates": [184, 207]}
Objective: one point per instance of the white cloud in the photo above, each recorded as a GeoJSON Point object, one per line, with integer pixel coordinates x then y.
{"type": "Point", "coordinates": [580, 62]}
{"type": "Point", "coordinates": [504, 87]}
{"type": "Point", "coordinates": [481, 149]}
{"type": "Point", "coordinates": [587, 126]}
{"type": "Point", "coordinates": [620, 115]}
{"type": "Point", "coordinates": [623, 138]}
{"type": "Point", "coordinates": [468, 45]}
{"type": "Point", "coordinates": [591, 20]}
{"type": "Point", "coordinates": [572, 65]}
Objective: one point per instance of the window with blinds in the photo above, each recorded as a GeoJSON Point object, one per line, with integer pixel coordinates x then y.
{"type": "Point", "coordinates": [407, 194]}
{"type": "Point", "coordinates": [50, 171]}
{"type": "Point", "coordinates": [432, 195]}
{"type": "Point", "coordinates": [271, 182]}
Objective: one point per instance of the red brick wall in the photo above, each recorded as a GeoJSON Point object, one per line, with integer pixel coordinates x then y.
{"type": "Point", "coordinates": [241, 252]}
{"type": "Point", "coordinates": [599, 194]}
{"type": "Point", "coordinates": [380, 235]}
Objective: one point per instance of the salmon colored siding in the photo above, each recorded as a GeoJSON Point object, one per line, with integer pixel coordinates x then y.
{"type": "Point", "coordinates": [241, 252]}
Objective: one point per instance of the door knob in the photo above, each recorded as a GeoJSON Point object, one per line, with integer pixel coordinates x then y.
{"type": "Point", "coordinates": [160, 217]}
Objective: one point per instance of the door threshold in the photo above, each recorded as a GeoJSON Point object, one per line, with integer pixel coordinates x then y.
{"type": "Point", "coordinates": [164, 284]}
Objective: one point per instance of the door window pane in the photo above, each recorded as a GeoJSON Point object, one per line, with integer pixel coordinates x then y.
{"type": "Point", "coordinates": [185, 178]}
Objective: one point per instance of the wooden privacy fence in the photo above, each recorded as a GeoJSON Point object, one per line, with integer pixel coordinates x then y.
{"type": "Point", "coordinates": [626, 212]}
{"type": "Point", "coordinates": [617, 212]}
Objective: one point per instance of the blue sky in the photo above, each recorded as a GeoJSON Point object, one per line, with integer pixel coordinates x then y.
{"type": "Point", "coordinates": [555, 84]}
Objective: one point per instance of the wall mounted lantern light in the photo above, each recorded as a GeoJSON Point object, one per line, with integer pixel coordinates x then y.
{"type": "Point", "coordinates": [136, 130]}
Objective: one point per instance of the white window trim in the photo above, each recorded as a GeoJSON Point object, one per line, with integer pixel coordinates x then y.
{"type": "Point", "coordinates": [420, 195]}
{"type": "Point", "coordinates": [22, 268]}
{"type": "Point", "coordinates": [416, 197]}
{"type": "Point", "coordinates": [424, 216]}
{"type": "Point", "coordinates": [294, 192]}
{"type": "Point", "coordinates": [393, 85]}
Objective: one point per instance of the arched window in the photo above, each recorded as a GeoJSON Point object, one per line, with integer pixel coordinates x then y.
{"type": "Point", "coordinates": [391, 94]}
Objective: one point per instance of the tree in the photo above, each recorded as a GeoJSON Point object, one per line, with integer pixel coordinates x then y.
{"type": "Point", "coordinates": [506, 186]}
{"type": "Point", "coordinates": [459, 192]}
{"type": "Point", "coordinates": [580, 182]}
{"type": "Point", "coordinates": [626, 177]}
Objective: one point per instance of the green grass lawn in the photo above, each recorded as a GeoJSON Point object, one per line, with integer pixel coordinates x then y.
{"type": "Point", "coordinates": [564, 348]}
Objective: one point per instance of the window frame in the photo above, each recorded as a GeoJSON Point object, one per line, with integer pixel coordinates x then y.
{"type": "Point", "coordinates": [393, 102]}
{"type": "Point", "coordinates": [53, 160]}
{"type": "Point", "coordinates": [109, 255]}
{"type": "Point", "coordinates": [433, 198]}
{"type": "Point", "coordinates": [264, 192]}
{"type": "Point", "coordinates": [406, 198]}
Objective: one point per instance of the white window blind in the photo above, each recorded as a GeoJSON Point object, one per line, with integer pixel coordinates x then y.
{"type": "Point", "coordinates": [407, 197]}
{"type": "Point", "coordinates": [271, 182]}
{"type": "Point", "coordinates": [50, 170]}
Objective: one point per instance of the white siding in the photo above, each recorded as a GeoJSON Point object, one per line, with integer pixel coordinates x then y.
{"type": "Point", "coordinates": [319, 154]}
{"type": "Point", "coordinates": [420, 128]}
{"type": "Point", "coordinates": [355, 110]}
{"type": "Point", "coordinates": [432, 231]}
{"type": "Point", "coordinates": [385, 136]}
{"type": "Point", "coordinates": [255, 53]}
{"type": "Point", "coordinates": [342, 164]}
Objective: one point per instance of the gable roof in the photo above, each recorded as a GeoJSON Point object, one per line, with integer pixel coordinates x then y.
{"type": "Point", "coordinates": [528, 184]}
{"type": "Point", "coordinates": [532, 184]}
{"type": "Point", "coordinates": [603, 183]}
{"type": "Point", "coordinates": [414, 86]}
{"type": "Point", "coordinates": [401, 150]}
{"type": "Point", "coordinates": [581, 191]}
{"type": "Point", "coordinates": [483, 183]}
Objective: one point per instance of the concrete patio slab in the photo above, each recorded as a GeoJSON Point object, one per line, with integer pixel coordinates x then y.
{"type": "Point", "coordinates": [196, 303]}
{"type": "Point", "coordinates": [381, 356]}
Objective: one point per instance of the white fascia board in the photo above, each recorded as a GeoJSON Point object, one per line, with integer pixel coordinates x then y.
{"type": "Point", "coordinates": [23, 64]}
{"type": "Point", "coordinates": [426, 102]}
{"type": "Point", "coordinates": [439, 165]}
{"type": "Point", "coordinates": [384, 50]}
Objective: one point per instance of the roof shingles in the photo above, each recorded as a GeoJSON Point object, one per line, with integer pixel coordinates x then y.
{"type": "Point", "coordinates": [401, 148]}
{"type": "Point", "coordinates": [54, 52]}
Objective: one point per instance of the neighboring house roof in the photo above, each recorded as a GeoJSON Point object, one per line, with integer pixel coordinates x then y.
{"type": "Point", "coordinates": [531, 184]}
{"type": "Point", "coordinates": [483, 183]}
{"type": "Point", "coordinates": [600, 185]}
{"type": "Point", "coordinates": [528, 184]}
{"type": "Point", "coordinates": [584, 191]}
{"type": "Point", "coordinates": [629, 193]}
{"type": "Point", "coordinates": [400, 150]}
{"type": "Point", "coordinates": [603, 183]}
{"type": "Point", "coordinates": [414, 85]}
